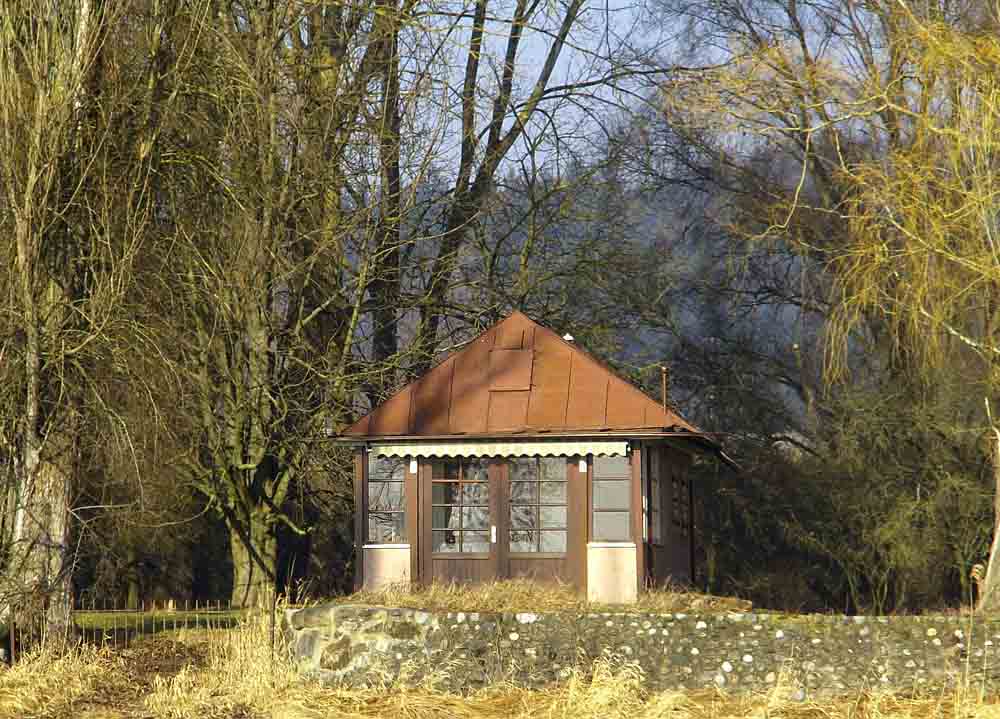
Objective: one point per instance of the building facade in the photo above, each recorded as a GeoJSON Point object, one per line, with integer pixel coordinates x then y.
{"type": "Point", "coordinates": [522, 456]}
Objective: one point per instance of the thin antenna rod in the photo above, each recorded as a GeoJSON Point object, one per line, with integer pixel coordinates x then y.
{"type": "Point", "coordinates": [664, 385]}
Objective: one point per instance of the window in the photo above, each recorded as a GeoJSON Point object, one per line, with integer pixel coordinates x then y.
{"type": "Point", "coordinates": [386, 510]}
{"type": "Point", "coordinates": [537, 504]}
{"type": "Point", "coordinates": [460, 515]}
{"type": "Point", "coordinates": [681, 505]}
{"type": "Point", "coordinates": [655, 498]}
{"type": "Point", "coordinates": [612, 497]}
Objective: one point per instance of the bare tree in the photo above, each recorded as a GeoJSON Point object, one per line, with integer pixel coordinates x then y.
{"type": "Point", "coordinates": [74, 198]}
{"type": "Point", "coordinates": [868, 133]}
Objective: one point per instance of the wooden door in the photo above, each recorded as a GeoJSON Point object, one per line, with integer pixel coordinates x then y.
{"type": "Point", "coordinates": [460, 500]}
{"type": "Point", "coordinates": [469, 509]}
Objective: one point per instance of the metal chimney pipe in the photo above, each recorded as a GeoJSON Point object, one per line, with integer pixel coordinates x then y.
{"type": "Point", "coordinates": [665, 385]}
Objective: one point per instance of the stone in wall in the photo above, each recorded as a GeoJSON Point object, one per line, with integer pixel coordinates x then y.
{"type": "Point", "coordinates": [819, 655]}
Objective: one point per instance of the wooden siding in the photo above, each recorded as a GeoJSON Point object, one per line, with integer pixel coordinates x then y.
{"type": "Point", "coordinates": [671, 560]}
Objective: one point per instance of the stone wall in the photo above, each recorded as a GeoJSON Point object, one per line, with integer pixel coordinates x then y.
{"type": "Point", "coordinates": [812, 655]}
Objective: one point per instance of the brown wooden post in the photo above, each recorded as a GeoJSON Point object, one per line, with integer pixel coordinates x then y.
{"type": "Point", "coordinates": [413, 518]}
{"type": "Point", "coordinates": [577, 523]}
{"type": "Point", "coordinates": [640, 547]}
{"type": "Point", "coordinates": [425, 540]}
{"type": "Point", "coordinates": [360, 511]}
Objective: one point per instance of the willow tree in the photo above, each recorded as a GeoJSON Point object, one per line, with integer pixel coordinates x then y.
{"type": "Point", "coordinates": [880, 127]}
{"type": "Point", "coordinates": [77, 134]}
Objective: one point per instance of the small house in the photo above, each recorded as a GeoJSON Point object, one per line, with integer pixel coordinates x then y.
{"type": "Point", "coordinates": [520, 455]}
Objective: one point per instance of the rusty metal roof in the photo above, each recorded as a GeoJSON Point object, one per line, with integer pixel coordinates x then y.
{"type": "Point", "coordinates": [518, 377]}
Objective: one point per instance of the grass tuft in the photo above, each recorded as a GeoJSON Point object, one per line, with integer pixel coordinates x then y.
{"type": "Point", "coordinates": [520, 595]}
{"type": "Point", "coordinates": [47, 685]}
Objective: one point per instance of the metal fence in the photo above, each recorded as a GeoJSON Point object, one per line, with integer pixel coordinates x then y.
{"type": "Point", "coordinates": [106, 623]}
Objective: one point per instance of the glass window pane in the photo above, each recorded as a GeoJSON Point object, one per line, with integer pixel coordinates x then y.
{"type": "Point", "coordinates": [523, 541]}
{"type": "Point", "coordinates": [611, 467]}
{"type": "Point", "coordinates": [444, 518]}
{"type": "Point", "coordinates": [445, 493]}
{"type": "Point", "coordinates": [475, 518]}
{"type": "Point", "coordinates": [552, 518]}
{"type": "Point", "coordinates": [523, 492]}
{"type": "Point", "coordinates": [445, 469]}
{"type": "Point", "coordinates": [552, 492]}
{"type": "Point", "coordinates": [475, 470]}
{"type": "Point", "coordinates": [477, 493]}
{"type": "Point", "coordinates": [385, 496]}
{"type": "Point", "coordinates": [552, 468]}
{"type": "Point", "coordinates": [383, 468]}
{"type": "Point", "coordinates": [523, 469]}
{"type": "Point", "coordinates": [553, 541]}
{"type": "Point", "coordinates": [611, 526]}
{"type": "Point", "coordinates": [611, 495]}
{"type": "Point", "coordinates": [475, 541]}
{"type": "Point", "coordinates": [523, 517]}
{"type": "Point", "coordinates": [444, 541]}
{"type": "Point", "coordinates": [385, 527]}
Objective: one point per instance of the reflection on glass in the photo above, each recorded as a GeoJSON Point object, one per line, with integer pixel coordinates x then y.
{"type": "Point", "coordinates": [475, 470]}
{"type": "Point", "coordinates": [523, 492]}
{"type": "Point", "coordinates": [444, 541]}
{"type": "Point", "coordinates": [552, 518]}
{"type": "Point", "coordinates": [475, 518]}
{"type": "Point", "coordinates": [523, 541]}
{"type": "Point", "coordinates": [445, 493]}
{"type": "Point", "coordinates": [538, 491]}
{"type": "Point", "coordinates": [385, 527]}
{"type": "Point", "coordinates": [477, 493]}
{"type": "Point", "coordinates": [523, 517]}
{"type": "Point", "coordinates": [444, 518]}
{"type": "Point", "coordinates": [385, 496]}
{"type": "Point", "coordinates": [386, 468]}
{"type": "Point", "coordinates": [475, 541]}
{"type": "Point", "coordinates": [552, 469]}
{"type": "Point", "coordinates": [552, 493]}
{"type": "Point", "coordinates": [553, 541]}
{"type": "Point", "coordinates": [523, 469]}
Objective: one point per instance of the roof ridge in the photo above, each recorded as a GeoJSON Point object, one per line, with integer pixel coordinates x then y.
{"type": "Point", "coordinates": [427, 412]}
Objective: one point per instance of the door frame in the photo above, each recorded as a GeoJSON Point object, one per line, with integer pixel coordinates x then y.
{"type": "Point", "coordinates": [578, 498]}
{"type": "Point", "coordinates": [497, 558]}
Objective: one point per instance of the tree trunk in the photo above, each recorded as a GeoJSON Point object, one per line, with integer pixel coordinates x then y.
{"type": "Point", "coordinates": [132, 598]}
{"type": "Point", "coordinates": [989, 594]}
{"type": "Point", "coordinates": [254, 567]}
{"type": "Point", "coordinates": [42, 566]}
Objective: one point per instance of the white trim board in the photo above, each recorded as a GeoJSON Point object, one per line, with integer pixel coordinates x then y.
{"type": "Point", "coordinates": [527, 448]}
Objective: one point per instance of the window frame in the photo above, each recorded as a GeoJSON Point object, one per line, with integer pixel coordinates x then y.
{"type": "Point", "coordinates": [460, 481]}
{"type": "Point", "coordinates": [537, 505]}
{"type": "Point", "coordinates": [656, 525]}
{"type": "Point", "coordinates": [371, 478]}
{"type": "Point", "coordinates": [625, 480]}
{"type": "Point", "coordinates": [681, 509]}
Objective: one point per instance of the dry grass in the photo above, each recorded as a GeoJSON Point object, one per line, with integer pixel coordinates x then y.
{"type": "Point", "coordinates": [46, 685]}
{"type": "Point", "coordinates": [524, 596]}
{"type": "Point", "coordinates": [234, 678]}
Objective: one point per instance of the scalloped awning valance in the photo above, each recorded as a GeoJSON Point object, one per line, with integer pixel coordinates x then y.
{"type": "Point", "coordinates": [553, 448]}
